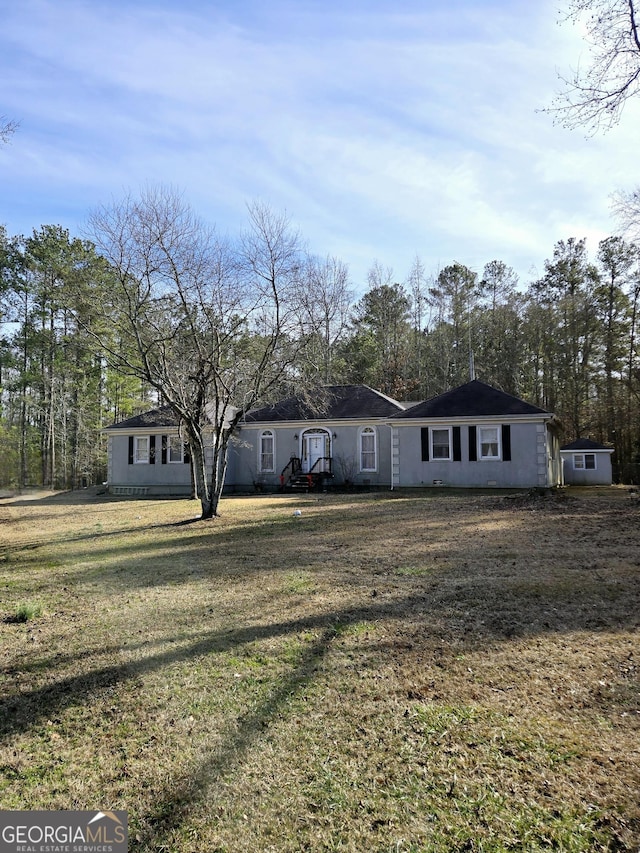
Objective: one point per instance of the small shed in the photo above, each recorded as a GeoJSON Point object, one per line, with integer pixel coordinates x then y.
{"type": "Point", "coordinates": [586, 463]}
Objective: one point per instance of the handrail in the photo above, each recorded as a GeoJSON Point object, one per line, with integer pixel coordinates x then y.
{"type": "Point", "coordinates": [323, 459]}
{"type": "Point", "coordinates": [322, 465]}
{"type": "Point", "coordinates": [294, 464]}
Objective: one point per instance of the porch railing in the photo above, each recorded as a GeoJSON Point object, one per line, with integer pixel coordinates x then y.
{"type": "Point", "coordinates": [292, 467]}
{"type": "Point", "coordinates": [293, 473]}
{"type": "Point", "coordinates": [323, 465]}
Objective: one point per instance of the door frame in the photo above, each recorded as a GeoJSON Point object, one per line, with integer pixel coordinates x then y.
{"type": "Point", "coordinates": [306, 461]}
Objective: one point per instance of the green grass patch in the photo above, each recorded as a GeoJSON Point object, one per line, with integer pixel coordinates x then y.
{"type": "Point", "coordinates": [297, 583]}
{"type": "Point", "coordinates": [27, 611]}
{"type": "Point", "coordinates": [414, 571]}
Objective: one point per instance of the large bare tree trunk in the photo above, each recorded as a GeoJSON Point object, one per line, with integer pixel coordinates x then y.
{"type": "Point", "coordinates": [201, 477]}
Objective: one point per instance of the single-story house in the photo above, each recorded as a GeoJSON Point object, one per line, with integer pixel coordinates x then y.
{"type": "Point", "coordinates": [472, 436]}
{"type": "Point", "coordinates": [587, 463]}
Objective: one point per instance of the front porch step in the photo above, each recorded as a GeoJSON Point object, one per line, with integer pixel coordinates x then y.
{"type": "Point", "coordinates": [306, 482]}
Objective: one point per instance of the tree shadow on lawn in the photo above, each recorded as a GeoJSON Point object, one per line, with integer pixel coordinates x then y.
{"type": "Point", "coordinates": [491, 582]}
{"type": "Point", "coordinates": [318, 514]}
{"type": "Point", "coordinates": [483, 603]}
{"type": "Point", "coordinates": [202, 541]}
{"type": "Point", "coordinates": [31, 544]}
{"type": "Point", "coordinates": [433, 614]}
{"type": "Point", "coordinates": [70, 497]}
{"type": "Point", "coordinates": [59, 660]}
{"type": "Point", "coordinates": [280, 522]}
{"type": "Point", "coordinates": [173, 805]}
{"type": "Point", "coordinates": [550, 584]}
{"type": "Point", "coordinates": [145, 568]}
{"type": "Point", "coordinates": [22, 711]}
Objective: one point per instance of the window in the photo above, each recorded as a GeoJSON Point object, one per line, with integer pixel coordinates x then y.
{"type": "Point", "coordinates": [489, 438]}
{"type": "Point", "coordinates": [490, 443]}
{"type": "Point", "coordinates": [441, 443]}
{"type": "Point", "coordinates": [140, 449]}
{"type": "Point", "coordinates": [584, 461]}
{"type": "Point", "coordinates": [175, 449]}
{"type": "Point", "coordinates": [368, 461]}
{"type": "Point", "coordinates": [266, 451]}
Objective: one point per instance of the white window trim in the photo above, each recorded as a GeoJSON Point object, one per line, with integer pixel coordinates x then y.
{"type": "Point", "coordinates": [372, 432]}
{"type": "Point", "coordinates": [583, 458]}
{"type": "Point", "coordinates": [171, 461]}
{"type": "Point", "coordinates": [136, 442]}
{"type": "Point", "coordinates": [264, 434]}
{"type": "Point", "coordinates": [432, 455]}
{"type": "Point", "coordinates": [483, 458]}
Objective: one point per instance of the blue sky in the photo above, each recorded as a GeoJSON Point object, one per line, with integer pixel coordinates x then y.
{"type": "Point", "coordinates": [386, 129]}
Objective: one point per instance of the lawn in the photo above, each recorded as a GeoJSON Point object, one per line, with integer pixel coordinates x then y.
{"type": "Point", "coordinates": [393, 671]}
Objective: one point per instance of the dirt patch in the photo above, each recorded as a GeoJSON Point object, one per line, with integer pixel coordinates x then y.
{"type": "Point", "coordinates": [536, 499]}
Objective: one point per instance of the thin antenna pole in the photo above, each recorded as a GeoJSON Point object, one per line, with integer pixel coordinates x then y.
{"type": "Point", "coordinates": [472, 367]}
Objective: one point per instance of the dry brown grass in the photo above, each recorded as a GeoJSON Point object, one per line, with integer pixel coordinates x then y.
{"type": "Point", "coordinates": [389, 672]}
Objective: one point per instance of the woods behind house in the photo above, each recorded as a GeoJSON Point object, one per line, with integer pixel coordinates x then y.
{"type": "Point", "coordinates": [566, 341]}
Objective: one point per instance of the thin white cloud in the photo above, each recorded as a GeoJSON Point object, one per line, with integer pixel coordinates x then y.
{"type": "Point", "coordinates": [384, 129]}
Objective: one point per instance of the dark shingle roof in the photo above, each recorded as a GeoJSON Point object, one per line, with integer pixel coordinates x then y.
{"type": "Point", "coordinates": [585, 444]}
{"type": "Point", "coordinates": [473, 399]}
{"type": "Point", "coordinates": [334, 402]}
{"type": "Point", "coordinates": [156, 418]}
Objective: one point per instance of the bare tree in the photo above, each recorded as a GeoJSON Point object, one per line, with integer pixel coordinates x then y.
{"type": "Point", "coordinates": [626, 209]}
{"type": "Point", "coordinates": [203, 322]}
{"type": "Point", "coordinates": [7, 129]}
{"type": "Point", "coordinates": [324, 305]}
{"type": "Point", "coordinates": [595, 97]}
{"type": "Point", "coordinates": [417, 286]}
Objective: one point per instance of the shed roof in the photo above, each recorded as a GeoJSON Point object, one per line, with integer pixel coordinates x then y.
{"type": "Point", "coordinates": [586, 444]}
{"type": "Point", "coordinates": [333, 402]}
{"type": "Point", "coordinates": [473, 399]}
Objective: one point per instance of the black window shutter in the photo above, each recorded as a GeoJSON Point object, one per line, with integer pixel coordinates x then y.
{"type": "Point", "coordinates": [163, 452]}
{"type": "Point", "coordinates": [457, 450]}
{"type": "Point", "coordinates": [506, 442]}
{"type": "Point", "coordinates": [130, 450]}
{"type": "Point", "coordinates": [424, 441]}
{"type": "Point", "coordinates": [187, 453]}
{"type": "Point", "coordinates": [473, 445]}
{"type": "Point", "coordinates": [152, 450]}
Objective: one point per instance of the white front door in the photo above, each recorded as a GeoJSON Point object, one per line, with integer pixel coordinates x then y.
{"type": "Point", "coordinates": [315, 446]}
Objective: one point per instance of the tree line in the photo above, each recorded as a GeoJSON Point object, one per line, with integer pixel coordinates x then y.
{"type": "Point", "coordinates": [154, 310]}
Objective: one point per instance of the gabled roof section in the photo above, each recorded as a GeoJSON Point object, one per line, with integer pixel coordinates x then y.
{"type": "Point", "coordinates": [333, 402]}
{"type": "Point", "coordinates": [586, 444]}
{"type": "Point", "coordinates": [153, 419]}
{"type": "Point", "coordinates": [165, 418]}
{"type": "Point", "coordinates": [473, 399]}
